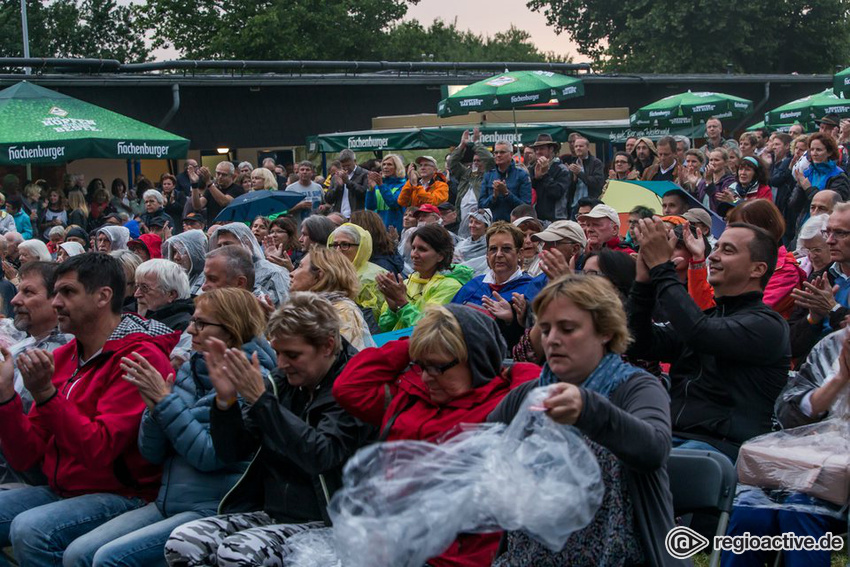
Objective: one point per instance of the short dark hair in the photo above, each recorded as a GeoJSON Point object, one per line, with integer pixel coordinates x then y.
{"type": "Point", "coordinates": [762, 249]}
{"type": "Point", "coordinates": [785, 138]}
{"type": "Point", "coordinates": [642, 212]}
{"type": "Point", "coordinates": [46, 270]}
{"type": "Point", "coordinates": [524, 211]}
{"type": "Point", "coordinates": [677, 193]}
{"type": "Point", "coordinates": [588, 202]}
{"type": "Point", "coordinates": [620, 269]}
{"type": "Point", "coordinates": [626, 155]}
{"type": "Point", "coordinates": [95, 270]}
{"type": "Point", "coordinates": [238, 261]}
{"type": "Point", "coordinates": [440, 240]}
{"type": "Point", "coordinates": [668, 141]}
{"type": "Point", "coordinates": [760, 168]}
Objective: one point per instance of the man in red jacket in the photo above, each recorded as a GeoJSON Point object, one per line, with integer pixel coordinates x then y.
{"type": "Point", "coordinates": [84, 422]}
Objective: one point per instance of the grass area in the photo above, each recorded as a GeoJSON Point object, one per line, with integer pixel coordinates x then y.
{"type": "Point", "coordinates": [838, 559]}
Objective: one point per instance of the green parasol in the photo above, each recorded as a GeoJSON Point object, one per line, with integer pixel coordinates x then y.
{"type": "Point", "coordinates": [808, 109]}
{"type": "Point", "coordinates": [692, 108]}
{"type": "Point", "coordinates": [841, 82]}
{"type": "Point", "coordinates": [515, 89]}
{"type": "Point", "coordinates": [38, 125]}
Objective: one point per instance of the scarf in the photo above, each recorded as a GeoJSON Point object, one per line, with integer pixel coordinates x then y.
{"type": "Point", "coordinates": [608, 375]}
{"type": "Point", "coordinates": [819, 174]}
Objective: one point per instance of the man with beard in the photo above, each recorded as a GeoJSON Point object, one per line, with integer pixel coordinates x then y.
{"type": "Point", "coordinates": [83, 427]}
{"type": "Point", "coordinates": [644, 154]}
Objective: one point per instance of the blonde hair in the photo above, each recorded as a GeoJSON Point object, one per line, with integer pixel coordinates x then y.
{"type": "Point", "coordinates": [238, 310]}
{"type": "Point", "coordinates": [595, 295]}
{"type": "Point", "coordinates": [77, 202]}
{"type": "Point", "coordinates": [397, 162]}
{"type": "Point", "coordinates": [335, 272]}
{"type": "Point", "coordinates": [438, 331]}
{"type": "Point", "coordinates": [307, 315]}
{"type": "Point", "coordinates": [804, 138]}
{"type": "Point", "coordinates": [269, 181]}
{"type": "Point", "coordinates": [32, 191]}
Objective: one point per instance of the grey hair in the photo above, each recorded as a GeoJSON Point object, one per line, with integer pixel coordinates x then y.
{"type": "Point", "coordinates": [813, 227]}
{"type": "Point", "coordinates": [248, 163]}
{"type": "Point", "coordinates": [56, 230]}
{"type": "Point", "coordinates": [346, 155]}
{"type": "Point", "coordinates": [129, 261]}
{"type": "Point", "coordinates": [14, 236]}
{"type": "Point", "coordinates": [348, 231]}
{"type": "Point", "coordinates": [307, 163]}
{"type": "Point", "coordinates": [505, 143]}
{"type": "Point", "coordinates": [269, 159]}
{"type": "Point", "coordinates": [684, 140]}
{"type": "Point", "coordinates": [231, 169]}
{"type": "Point", "coordinates": [36, 248]}
{"type": "Point", "coordinates": [155, 194]}
{"type": "Point", "coordinates": [307, 315]}
{"type": "Point", "coordinates": [238, 260]}
{"type": "Point", "coordinates": [169, 276]}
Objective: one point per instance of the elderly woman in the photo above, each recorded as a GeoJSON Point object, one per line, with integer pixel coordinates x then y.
{"type": "Point", "coordinates": [33, 251]}
{"type": "Point", "coordinates": [262, 178]}
{"type": "Point", "coordinates": [175, 432]}
{"type": "Point", "coordinates": [449, 373]}
{"type": "Point", "coordinates": [154, 202]}
{"type": "Point", "coordinates": [330, 273]}
{"type": "Point", "coordinates": [69, 249]}
{"type": "Point", "coordinates": [355, 243]}
{"type": "Point", "coordinates": [584, 331]}
{"type": "Point", "coordinates": [111, 238]}
{"type": "Point", "coordinates": [529, 253]}
{"type": "Point", "coordinates": [432, 250]}
{"type": "Point", "coordinates": [299, 437]}
{"type": "Point", "coordinates": [472, 251]}
{"type": "Point", "coordinates": [188, 250]}
{"type": "Point", "coordinates": [383, 191]}
{"type": "Point", "coordinates": [162, 293]}
{"type": "Point", "coordinates": [504, 290]}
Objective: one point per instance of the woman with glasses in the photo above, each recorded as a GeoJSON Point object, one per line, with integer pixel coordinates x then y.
{"type": "Point", "coordinates": [331, 274]}
{"type": "Point", "coordinates": [297, 437]}
{"type": "Point", "coordinates": [175, 432]}
{"type": "Point", "coordinates": [449, 372]}
{"type": "Point", "coordinates": [622, 167]}
{"type": "Point", "coordinates": [433, 281]}
{"type": "Point", "coordinates": [355, 243]}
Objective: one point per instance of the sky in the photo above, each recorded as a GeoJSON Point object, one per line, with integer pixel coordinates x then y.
{"type": "Point", "coordinates": [492, 16]}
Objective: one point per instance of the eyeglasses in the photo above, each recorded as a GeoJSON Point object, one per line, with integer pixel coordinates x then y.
{"type": "Point", "coordinates": [620, 162]}
{"type": "Point", "coordinates": [344, 246]}
{"type": "Point", "coordinates": [838, 234]}
{"type": "Point", "coordinates": [144, 288]}
{"type": "Point", "coordinates": [504, 250]}
{"type": "Point", "coordinates": [434, 369]}
{"type": "Point", "coordinates": [500, 152]}
{"type": "Point", "coordinates": [200, 324]}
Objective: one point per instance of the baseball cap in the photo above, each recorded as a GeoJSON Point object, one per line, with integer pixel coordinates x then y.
{"type": "Point", "coordinates": [446, 206]}
{"type": "Point", "coordinates": [483, 215]}
{"type": "Point", "coordinates": [195, 217]}
{"type": "Point", "coordinates": [429, 159]}
{"type": "Point", "coordinates": [560, 230]}
{"type": "Point", "coordinates": [602, 212]}
{"type": "Point", "coordinates": [698, 215]}
{"type": "Point", "coordinates": [427, 209]}
{"type": "Point", "coordinates": [158, 221]}
{"type": "Point", "coordinates": [522, 220]}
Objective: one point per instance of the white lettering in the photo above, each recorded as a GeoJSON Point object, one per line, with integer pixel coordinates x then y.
{"type": "Point", "coordinates": [472, 102]}
{"type": "Point", "coordinates": [128, 148]}
{"type": "Point", "coordinates": [71, 124]}
{"type": "Point", "coordinates": [24, 153]}
{"type": "Point", "coordinates": [369, 142]}
{"type": "Point", "coordinates": [525, 98]}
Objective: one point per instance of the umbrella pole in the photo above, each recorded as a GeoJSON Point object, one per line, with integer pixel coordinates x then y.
{"type": "Point", "coordinates": [516, 132]}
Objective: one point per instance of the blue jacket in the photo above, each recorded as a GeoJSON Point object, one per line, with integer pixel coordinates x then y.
{"type": "Point", "coordinates": [519, 191]}
{"type": "Point", "coordinates": [23, 224]}
{"type": "Point", "coordinates": [177, 434]}
{"type": "Point", "coordinates": [389, 210]}
{"type": "Point", "coordinates": [475, 288]}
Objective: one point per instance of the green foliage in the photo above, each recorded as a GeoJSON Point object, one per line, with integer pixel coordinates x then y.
{"type": "Point", "coordinates": [703, 36]}
{"type": "Point", "coordinates": [73, 28]}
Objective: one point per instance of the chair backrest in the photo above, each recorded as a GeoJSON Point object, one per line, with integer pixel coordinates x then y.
{"type": "Point", "coordinates": [700, 481]}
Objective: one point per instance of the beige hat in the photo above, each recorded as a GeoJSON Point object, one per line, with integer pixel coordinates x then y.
{"type": "Point", "coordinates": [698, 215]}
{"type": "Point", "coordinates": [559, 230]}
{"type": "Point", "coordinates": [602, 212]}
{"type": "Point", "coordinates": [429, 159]}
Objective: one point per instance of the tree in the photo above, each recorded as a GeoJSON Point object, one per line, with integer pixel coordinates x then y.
{"type": "Point", "coordinates": [74, 28]}
{"type": "Point", "coordinates": [703, 36]}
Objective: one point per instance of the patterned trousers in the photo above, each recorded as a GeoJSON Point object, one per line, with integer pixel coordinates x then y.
{"type": "Point", "coordinates": [232, 540]}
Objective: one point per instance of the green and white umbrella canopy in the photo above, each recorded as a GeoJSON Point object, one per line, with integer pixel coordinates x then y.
{"type": "Point", "coordinates": [696, 107]}
{"type": "Point", "coordinates": [841, 82]}
{"type": "Point", "coordinates": [515, 89]}
{"type": "Point", "coordinates": [808, 109]}
{"type": "Point", "coordinates": [38, 125]}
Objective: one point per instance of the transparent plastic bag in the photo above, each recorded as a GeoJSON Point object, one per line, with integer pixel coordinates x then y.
{"type": "Point", "coordinates": [405, 501]}
{"type": "Point", "coordinates": [9, 335]}
{"type": "Point", "coordinates": [807, 468]}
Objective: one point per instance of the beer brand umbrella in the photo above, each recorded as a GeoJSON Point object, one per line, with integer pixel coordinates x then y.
{"type": "Point", "coordinates": [841, 82]}
{"type": "Point", "coordinates": [693, 107]}
{"type": "Point", "coordinates": [38, 125]}
{"type": "Point", "coordinates": [808, 109]}
{"type": "Point", "coordinates": [511, 90]}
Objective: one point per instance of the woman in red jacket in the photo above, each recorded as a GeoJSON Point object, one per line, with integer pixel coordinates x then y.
{"type": "Point", "coordinates": [449, 372]}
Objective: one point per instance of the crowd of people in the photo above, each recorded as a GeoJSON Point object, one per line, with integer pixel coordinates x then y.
{"type": "Point", "coordinates": [180, 391]}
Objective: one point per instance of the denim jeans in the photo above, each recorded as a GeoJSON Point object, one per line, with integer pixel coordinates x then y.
{"type": "Point", "coordinates": [40, 524]}
{"type": "Point", "coordinates": [680, 443]}
{"type": "Point", "coordinates": [134, 538]}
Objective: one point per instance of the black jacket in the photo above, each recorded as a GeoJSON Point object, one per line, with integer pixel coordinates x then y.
{"type": "Point", "coordinates": [175, 315]}
{"type": "Point", "coordinates": [593, 176]}
{"type": "Point", "coordinates": [728, 364]}
{"type": "Point", "coordinates": [357, 184]}
{"type": "Point", "coordinates": [390, 262]}
{"type": "Point", "coordinates": [302, 441]}
{"type": "Point", "coordinates": [552, 190]}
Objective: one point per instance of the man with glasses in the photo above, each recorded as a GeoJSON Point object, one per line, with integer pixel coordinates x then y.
{"type": "Point", "coordinates": [562, 241]}
{"type": "Point", "coordinates": [162, 293]}
{"type": "Point", "coordinates": [218, 194]}
{"type": "Point", "coordinates": [551, 180]}
{"type": "Point", "coordinates": [505, 186]}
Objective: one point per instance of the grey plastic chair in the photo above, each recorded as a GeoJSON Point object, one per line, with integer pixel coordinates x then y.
{"type": "Point", "coordinates": [702, 481]}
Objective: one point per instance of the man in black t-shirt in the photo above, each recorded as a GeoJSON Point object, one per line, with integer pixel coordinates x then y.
{"type": "Point", "coordinates": [218, 194]}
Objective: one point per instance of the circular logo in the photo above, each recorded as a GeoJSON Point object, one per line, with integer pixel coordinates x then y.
{"type": "Point", "coordinates": [683, 542]}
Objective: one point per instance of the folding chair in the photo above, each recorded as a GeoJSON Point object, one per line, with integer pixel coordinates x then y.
{"type": "Point", "coordinates": [702, 481]}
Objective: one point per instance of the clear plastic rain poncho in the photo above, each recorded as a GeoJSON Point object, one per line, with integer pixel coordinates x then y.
{"type": "Point", "coordinates": [406, 501]}
{"type": "Point", "coordinates": [812, 460]}
{"type": "Point", "coordinates": [118, 236]}
{"type": "Point", "coordinates": [269, 279]}
{"type": "Point", "coordinates": [191, 244]}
